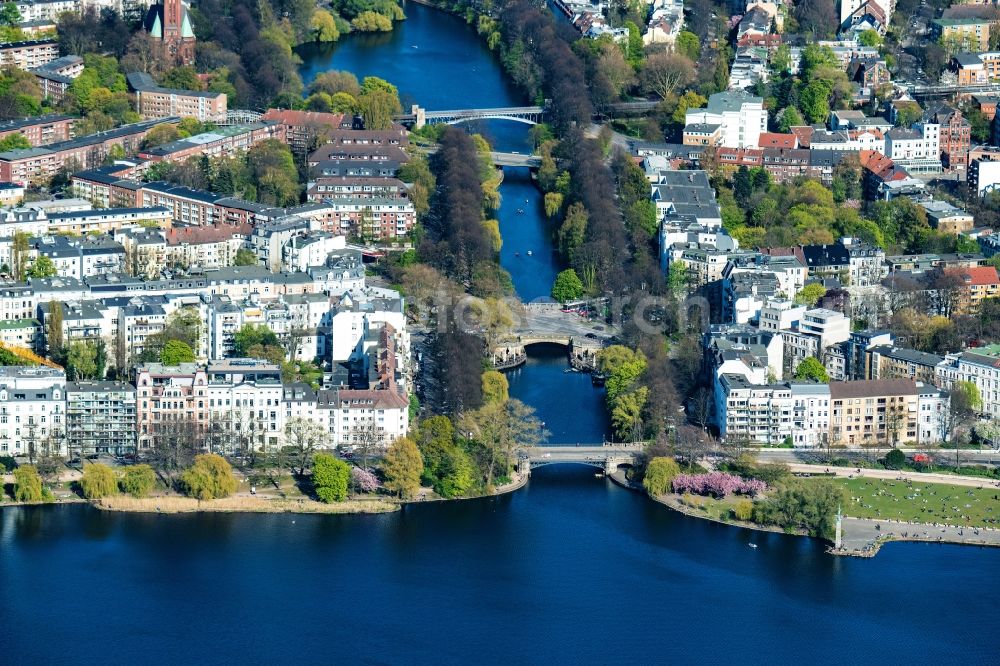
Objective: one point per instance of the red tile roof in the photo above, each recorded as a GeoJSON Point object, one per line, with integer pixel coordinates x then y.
{"type": "Point", "coordinates": [979, 275]}
{"type": "Point", "coordinates": [775, 140]}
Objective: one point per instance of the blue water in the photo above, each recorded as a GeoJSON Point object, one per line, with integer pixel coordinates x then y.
{"type": "Point", "coordinates": [570, 569]}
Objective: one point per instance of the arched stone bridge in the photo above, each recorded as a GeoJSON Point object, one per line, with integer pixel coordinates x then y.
{"type": "Point", "coordinates": [607, 457]}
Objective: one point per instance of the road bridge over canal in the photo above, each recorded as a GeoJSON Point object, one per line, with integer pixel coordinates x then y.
{"type": "Point", "coordinates": [607, 457]}
{"type": "Point", "coordinates": [529, 115]}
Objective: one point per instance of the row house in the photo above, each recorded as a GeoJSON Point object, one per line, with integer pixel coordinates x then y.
{"type": "Point", "coordinates": [773, 413]}
{"type": "Point", "coordinates": [40, 130]}
{"type": "Point", "coordinates": [351, 152]}
{"type": "Point", "coordinates": [220, 142]}
{"type": "Point", "coordinates": [371, 218]}
{"type": "Point", "coordinates": [304, 130]}
{"type": "Point", "coordinates": [891, 362]}
{"type": "Point", "coordinates": [28, 54]}
{"type": "Point", "coordinates": [55, 77]}
{"type": "Point", "coordinates": [871, 413]}
{"type": "Point", "coordinates": [80, 257]}
{"type": "Point", "coordinates": [883, 411]}
{"type": "Point", "coordinates": [39, 165]}
{"type": "Point", "coordinates": [362, 188]}
{"type": "Point", "coordinates": [154, 101]}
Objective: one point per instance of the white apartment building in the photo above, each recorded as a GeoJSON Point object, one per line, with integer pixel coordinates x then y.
{"type": "Point", "coordinates": [777, 315]}
{"type": "Point", "coordinates": [772, 413]}
{"type": "Point", "coordinates": [375, 416]}
{"type": "Point", "coordinates": [980, 366]}
{"type": "Point", "coordinates": [303, 252]}
{"type": "Point", "coordinates": [32, 411]}
{"type": "Point", "coordinates": [738, 116]}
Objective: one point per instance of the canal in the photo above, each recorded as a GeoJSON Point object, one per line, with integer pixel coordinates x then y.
{"type": "Point", "coordinates": [439, 62]}
{"type": "Point", "coordinates": [569, 569]}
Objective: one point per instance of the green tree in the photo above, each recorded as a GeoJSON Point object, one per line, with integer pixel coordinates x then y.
{"type": "Point", "coordinates": [377, 106]}
{"type": "Point", "coordinates": [245, 257]}
{"type": "Point", "coordinates": [790, 117]}
{"type": "Point", "coordinates": [138, 480]}
{"type": "Point", "coordinates": [324, 27]}
{"type": "Point", "coordinates": [81, 360]}
{"type": "Point", "coordinates": [19, 255]}
{"type": "Point", "coordinates": [54, 328]}
{"type": "Point", "coordinates": [28, 484]}
{"type": "Point", "coordinates": [573, 230]}
{"type": "Point", "coordinates": [894, 459]}
{"type": "Point", "coordinates": [908, 113]}
{"type": "Point", "coordinates": [626, 413]}
{"type": "Point", "coordinates": [743, 509]}
{"type": "Point", "coordinates": [809, 505]}
{"type": "Point", "coordinates": [250, 336]}
{"type": "Point", "coordinates": [567, 286]}
{"type": "Point", "coordinates": [210, 477]}
{"type": "Point", "coordinates": [9, 14]}
{"type": "Point", "coordinates": [371, 22]}
{"type": "Point", "coordinates": [402, 467]}
{"type": "Point", "coordinates": [689, 100]}
{"type": "Point", "coordinates": [495, 386]}
{"type": "Point", "coordinates": [811, 369]}
{"type": "Point", "coordinates": [272, 168]}
{"type": "Point", "coordinates": [15, 141]}
{"type": "Point", "coordinates": [870, 38]}
{"type": "Point", "coordinates": [176, 352]}
{"type": "Point", "coordinates": [98, 481]}
{"type": "Point", "coordinates": [688, 44]}
{"type": "Point", "coordinates": [42, 267]}
{"type": "Point", "coordinates": [810, 294]}
{"type": "Point", "coordinates": [660, 473]}
{"type": "Point", "coordinates": [330, 477]}
{"type": "Point", "coordinates": [553, 203]}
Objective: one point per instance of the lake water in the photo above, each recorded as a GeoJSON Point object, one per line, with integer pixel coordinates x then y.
{"type": "Point", "coordinates": [569, 569]}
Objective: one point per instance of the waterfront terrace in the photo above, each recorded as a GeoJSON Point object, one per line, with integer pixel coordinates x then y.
{"type": "Point", "coordinates": [39, 165]}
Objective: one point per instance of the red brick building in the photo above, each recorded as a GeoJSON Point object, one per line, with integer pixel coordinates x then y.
{"type": "Point", "coordinates": [955, 137]}
{"type": "Point", "coordinates": [40, 130]}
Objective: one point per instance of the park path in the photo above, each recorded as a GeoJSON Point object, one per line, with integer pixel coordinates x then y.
{"type": "Point", "coordinates": [893, 475]}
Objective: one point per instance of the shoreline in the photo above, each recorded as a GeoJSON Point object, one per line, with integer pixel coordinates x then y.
{"type": "Point", "coordinates": [865, 546]}
{"type": "Point", "coordinates": [506, 489]}
{"type": "Point", "coordinates": [239, 504]}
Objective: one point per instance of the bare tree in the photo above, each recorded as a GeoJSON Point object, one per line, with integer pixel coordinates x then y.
{"type": "Point", "coordinates": [302, 438]}
{"type": "Point", "coordinates": [174, 445]}
{"type": "Point", "coordinates": [691, 444]}
{"type": "Point", "coordinates": [665, 72]}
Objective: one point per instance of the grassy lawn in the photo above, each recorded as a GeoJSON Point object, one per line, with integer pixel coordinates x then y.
{"type": "Point", "coordinates": [718, 509]}
{"type": "Point", "coordinates": [921, 502]}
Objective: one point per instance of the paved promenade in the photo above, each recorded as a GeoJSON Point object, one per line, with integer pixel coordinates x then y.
{"type": "Point", "coordinates": [893, 475]}
{"type": "Point", "coordinates": [864, 537]}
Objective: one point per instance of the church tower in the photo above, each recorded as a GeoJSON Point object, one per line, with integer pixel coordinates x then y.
{"type": "Point", "coordinates": [170, 26]}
